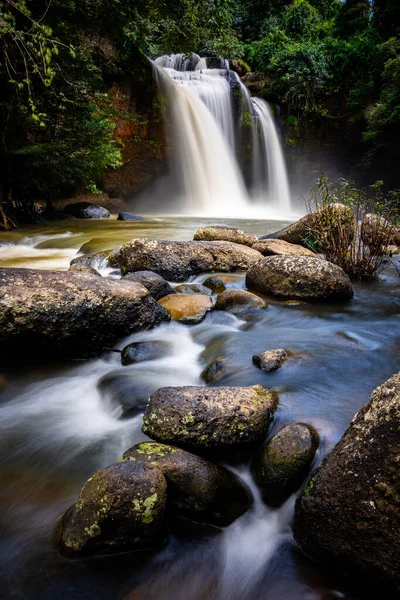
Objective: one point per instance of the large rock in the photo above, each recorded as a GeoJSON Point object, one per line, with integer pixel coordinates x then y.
{"type": "Point", "coordinates": [349, 515]}
{"type": "Point", "coordinates": [299, 278]}
{"type": "Point", "coordinates": [226, 234]}
{"type": "Point", "coordinates": [209, 418]}
{"type": "Point", "coordinates": [69, 313]}
{"type": "Point", "coordinates": [337, 217]}
{"type": "Point", "coordinates": [197, 489]}
{"type": "Point", "coordinates": [156, 284]}
{"type": "Point", "coordinates": [177, 261]}
{"type": "Point", "coordinates": [280, 247]}
{"type": "Point", "coordinates": [283, 463]}
{"type": "Point", "coordinates": [378, 233]}
{"type": "Point", "coordinates": [120, 508]}
{"type": "Point", "coordinates": [187, 308]}
{"type": "Point", "coordinates": [86, 210]}
{"type": "Point", "coordinates": [236, 300]}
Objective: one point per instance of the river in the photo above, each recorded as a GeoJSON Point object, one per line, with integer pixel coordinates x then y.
{"type": "Point", "coordinates": [57, 427]}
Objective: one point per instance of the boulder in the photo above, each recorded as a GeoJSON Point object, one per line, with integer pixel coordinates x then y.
{"type": "Point", "coordinates": [197, 489]}
{"type": "Point", "coordinates": [280, 247]}
{"type": "Point", "coordinates": [187, 308]}
{"type": "Point", "coordinates": [141, 351]}
{"type": "Point", "coordinates": [84, 269]}
{"type": "Point", "coordinates": [270, 360]}
{"type": "Point", "coordinates": [349, 515]}
{"type": "Point", "coordinates": [284, 462]}
{"type": "Point", "coordinates": [300, 278]}
{"type": "Point", "coordinates": [225, 234]}
{"type": "Point", "coordinates": [209, 418]}
{"type": "Point", "coordinates": [86, 210]}
{"type": "Point", "coordinates": [156, 284]}
{"type": "Point", "coordinates": [234, 300]}
{"type": "Point", "coordinates": [127, 216]}
{"type": "Point", "coordinates": [192, 288]}
{"type": "Point", "coordinates": [216, 284]}
{"type": "Point", "coordinates": [216, 371]}
{"type": "Point", "coordinates": [177, 261]}
{"type": "Point", "coordinates": [378, 233]}
{"type": "Point", "coordinates": [70, 314]}
{"type": "Point", "coordinates": [120, 508]}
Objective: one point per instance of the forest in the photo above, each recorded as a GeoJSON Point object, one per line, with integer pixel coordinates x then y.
{"type": "Point", "coordinates": [324, 60]}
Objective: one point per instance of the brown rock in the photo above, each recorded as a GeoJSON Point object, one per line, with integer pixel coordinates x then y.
{"type": "Point", "coordinates": [279, 247]}
{"type": "Point", "coordinates": [270, 360]}
{"type": "Point", "coordinates": [187, 308]}
{"type": "Point", "coordinates": [234, 300]}
{"type": "Point", "coordinates": [226, 234]}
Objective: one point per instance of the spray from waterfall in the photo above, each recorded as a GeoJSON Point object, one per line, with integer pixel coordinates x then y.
{"type": "Point", "coordinates": [208, 110]}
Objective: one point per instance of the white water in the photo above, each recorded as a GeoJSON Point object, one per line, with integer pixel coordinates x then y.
{"type": "Point", "coordinates": [206, 134]}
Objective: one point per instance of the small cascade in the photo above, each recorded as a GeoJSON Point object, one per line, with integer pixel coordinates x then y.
{"type": "Point", "coordinates": [211, 116]}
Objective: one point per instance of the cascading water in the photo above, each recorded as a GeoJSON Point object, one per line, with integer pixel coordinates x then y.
{"type": "Point", "coordinates": [206, 133]}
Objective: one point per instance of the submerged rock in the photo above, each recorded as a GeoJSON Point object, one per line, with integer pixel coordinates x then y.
{"type": "Point", "coordinates": [216, 284]}
{"type": "Point", "coordinates": [192, 288]}
{"type": "Point", "coordinates": [187, 308]}
{"type": "Point", "coordinates": [177, 261]}
{"type": "Point", "coordinates": [270, 360]}
{"type": "Point", "coordinates": [300, 278]}
{"type": "Point", "coordinates": [283, 463]}
{"type": "Point", "coordinates": [197, 489]}
{"type": "Point", "coordinates": [209, 418]}
{"type": "Point", "coordinates": [127, 216]}
{"type": "Point", "coordinates": [280, 247]}
{"type": "Point", "coordinates": [70, 314]}
{"type": "Point", "coordinates": [349, 515]}
{"type": "Point", "coordinates": [141, 351]}
{"type": "Point", "coordinates": [84, 269]}
{"type": "Point", "coordinates": [156, 284]}
{"type": "Point", "coordinates": [216, 371]}
{"type": "Point", "coordinates": [124, 394]}
{"type": "Point", "coordinates": [86, 210]}
{"type": "Point", "coordinates": [120, 508]}
{"type": "Point", "coordinates": [96, 260]}
{"type": "Point", "coordinates": [234, 300]}
{"type": "Point", "coordinates": [226, 234]}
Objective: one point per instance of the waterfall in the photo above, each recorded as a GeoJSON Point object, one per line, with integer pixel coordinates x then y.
{"type": "Point", "coordinates": [207, 130]}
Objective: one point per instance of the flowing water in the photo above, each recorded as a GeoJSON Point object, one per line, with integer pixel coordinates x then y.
{"type": "Point", "coordinates": [58, 425]}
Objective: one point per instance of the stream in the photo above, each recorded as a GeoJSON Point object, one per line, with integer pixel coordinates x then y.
{"type": "Point", "coordinates": [57, 427]}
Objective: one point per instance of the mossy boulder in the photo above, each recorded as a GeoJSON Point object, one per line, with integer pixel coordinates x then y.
{"type": "Point", "coordinates": [349, 515]}
{"type": "Point", "coordinates": [226, 234]}
{"type": "Point", "coordinates": [177, 261]}
{"type": "Point", "coordinates": [187, 308]}
{"type": "Point", "coordinates": [157, 285]}
{"type": "Point", "coordinates": [120, 508]}
{"type": "Point", "coordinates": [216, 284]}
{"type": "Point", "coordinates": [141, 351]}
{"type": "Point", "coordinates": [192, 288]}
{"type": "Point", "coordinates": [280, 247]}
{"type": "Point", "coordinates": [209, 418]}
{"type": "Point", "coordinates": [270, 360]}
{"type": "Point", "coordinates": [283, 463]}
{"type": "Point", "coordinates": [197, 489]}
{"type": "Point", "coordinates": [217, 370]}
{"type": "Point", "coordinates": [70, 314]}
{"type": "Point", "coordinates": [300, 278]}
{"type": "Point", "coordinates": [236, 300]}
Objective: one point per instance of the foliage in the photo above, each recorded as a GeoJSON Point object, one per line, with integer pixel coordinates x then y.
{"type": "Point", "coordinates": [352, 227]}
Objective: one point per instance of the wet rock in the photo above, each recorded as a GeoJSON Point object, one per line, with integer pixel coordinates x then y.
{"type": "Point", "coordinates": [187, 308]}
{"type": "Point", "coordinates": [337, 216]}
{"type": "Point", "coordinates": [86, 210]}
{"type": "Point", "coordinates": [70, 314]}
{"type": "Point", "coordinates": [225, 234]}
{"type": "Point", "coordinates": [120, 508]}
{"type": "Point", "coordinates": [215, 284]}
{"type": "Point", "coordinates": [127, 216]}
{"type": "Point", "coordinates": [300, 278]}
{"type": "Point", "coordinates": [156, 284]}
{"type": "Point", "coordinates": [192, 288]}
{"type": "Point", "coordinates": [112, 258]}
{"type": "Point", "coordinates": [280, 247]}
{"type": "Point", "coordinates": [97, 260]}
{"type": "Point", "coordinates": [123, 394]}
{"type": "Point", "coordinates": [270, 360]}
{"type": "Point", "coordinates": [141, 351]}
{"type": "Point", "coordinates": [283, 463]}
{"type": "Point", "coordinates": [209, 418]}
{"type": "Point", "coordinates": [177, 261]}
{"type": "Point", "coordinates": [197, 489]}
{"type": "Point", "coordinates": [349, 515]}
{"type": "Point", "coordinates": [216, 371]}
{"type": "Point", "coordinates": [84, 269]}
{"type": "Point", "coordinates": [234, 300]}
